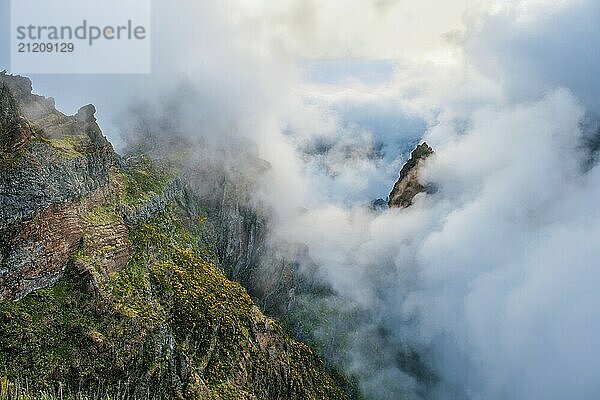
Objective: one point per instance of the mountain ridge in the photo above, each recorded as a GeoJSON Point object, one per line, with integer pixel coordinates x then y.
{"type": "Point", "coordinates": [109, 274]}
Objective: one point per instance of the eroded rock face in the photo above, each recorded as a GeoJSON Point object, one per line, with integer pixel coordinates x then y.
{"type": "Point", "coordinates": [408, 184]}
{"type": "Point", "coordinates": [52, 169]}
{"type": "Point", "coordinates": [45, 176]}
{"type": "Point", "coordinates": [38, 251]}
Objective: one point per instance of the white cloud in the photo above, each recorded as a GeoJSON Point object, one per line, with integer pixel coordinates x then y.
{"type": "Point", "coordinates": [492, 266]}
{"type": "Point", "coordinates": [391, 29]}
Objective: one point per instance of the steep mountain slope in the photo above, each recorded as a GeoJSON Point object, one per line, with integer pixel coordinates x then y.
{"type": "Point", "coordinates": [109, 274]}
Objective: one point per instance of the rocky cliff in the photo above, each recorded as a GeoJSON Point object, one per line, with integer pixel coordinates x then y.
{"type": "Point", "coordinates": [110, 278]}
{"type": "Point", "coordinates": [408, 184]}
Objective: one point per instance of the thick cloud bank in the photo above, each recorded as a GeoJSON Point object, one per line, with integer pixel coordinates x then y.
{"type": "Point", "coordinates": [492, 279]}
{"type": "Point", "coordinates": [498, 268]}
{"type": "Point", "coordinates": [495, 274]}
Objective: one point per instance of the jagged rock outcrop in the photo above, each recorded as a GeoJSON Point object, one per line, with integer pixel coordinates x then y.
{"type": "Point", "coordinates": [408, 184]}
{"type": "Point", "coordinates": [108, 276]}
{"type": "Point", "coordinates": [51, 168]}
